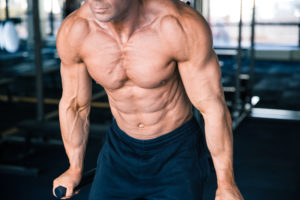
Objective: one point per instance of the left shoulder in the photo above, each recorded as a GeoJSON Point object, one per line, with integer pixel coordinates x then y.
{"type": "Point", "coordinates": [176, 13]}
{"type": "Point", "coordinates": [185, 30]}
{"type": "Point", "coordinates": [194, 25]}
{"type": "Point", "coordinates": [198, 35]}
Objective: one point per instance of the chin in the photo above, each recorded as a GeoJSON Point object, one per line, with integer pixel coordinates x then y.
{"type": "Point", "coordinates": [104, 17]}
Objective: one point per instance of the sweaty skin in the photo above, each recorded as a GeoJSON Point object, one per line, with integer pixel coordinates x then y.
{"type": "Point", "coordinates": [155, 60]}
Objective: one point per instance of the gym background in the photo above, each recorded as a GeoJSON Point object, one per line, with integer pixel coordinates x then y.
{"type": "Point", "coordinates": [258, 45]}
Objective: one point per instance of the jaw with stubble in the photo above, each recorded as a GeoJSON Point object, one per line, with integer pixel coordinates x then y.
{"type": "Point", "coordinates": [109, 10]}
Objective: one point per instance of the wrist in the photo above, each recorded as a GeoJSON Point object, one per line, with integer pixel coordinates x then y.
{"type": "Point", "coordinates": [228, 184]}
{"type": "Point", "coordinates": [76, 169]}
{"type": "Point", "coordinates": [225, 179]}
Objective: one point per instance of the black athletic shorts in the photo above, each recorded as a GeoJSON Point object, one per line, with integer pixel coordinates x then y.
{"type": "Point", "coordinates": [173, 166]}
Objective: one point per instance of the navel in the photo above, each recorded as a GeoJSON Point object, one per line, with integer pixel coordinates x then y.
{"type": "Point", "coordinates": [140, 125]}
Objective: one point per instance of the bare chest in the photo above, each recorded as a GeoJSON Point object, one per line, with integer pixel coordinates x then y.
{"type": "Point", "coordinates": [143, 61]}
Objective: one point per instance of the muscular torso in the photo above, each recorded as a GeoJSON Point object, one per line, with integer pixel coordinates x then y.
{"type": "Point", "coordinates": [145, 92]}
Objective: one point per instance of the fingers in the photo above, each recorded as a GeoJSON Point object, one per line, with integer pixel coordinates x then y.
{"type": "Point", "coordinates": [76, 192]}
{"type": "Point", "coordinates": [69, 193]}
{"type": "Point", "coordinates": [67, 181]}
{"type": "Point", "coordinates": [55, 185]}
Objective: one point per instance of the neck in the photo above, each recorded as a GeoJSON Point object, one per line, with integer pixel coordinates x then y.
{"type": "Point", "coordinates": [125, 25]}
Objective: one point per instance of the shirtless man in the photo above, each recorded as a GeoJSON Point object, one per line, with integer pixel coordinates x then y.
{"type": "Point", "coordinates": [155, 60]}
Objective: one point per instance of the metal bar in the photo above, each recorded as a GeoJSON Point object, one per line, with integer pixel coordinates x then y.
{"type": "Point", "coordinates": [236, 106]}
{"type": "Point", "coordinates": [232, 89]}
{"type": "Point", "coordinates": [277, 23]}
{"type": "Point", "coordinates": [208, 11]}
{"type": "Point", "coordinates": [8, 132]}
{"type": "Point", "coordinates": [6, 10]}
{"type": "Point", "coordinates": [55, 113]}
{"type": "Point", "coordinates": [199, 6]}
{"type": "Point", "coordinates": [266, 113]}
{"type": "Point", "coordinates": [48, 101]}
{"type": "Point", "coordinates": [36, 141]}
{"type": "Point", "coordinates": [51, 19]}
{"type": "Point", "coordinates": [18, 170]}
{"type": "Point", "coordinates": [38, 61]}
{"type": "Point", "coordinates": [99, 95]}
{"type": "Point", "coordinates": [299, 35]}
{"type": "Point", "coordinates": [100, 105]}
{"type": "Point", "coordinates": [28, 99]}
{"type": "Point", "coordinates": [252, 53]}
{"type": "Point", "coordinates": [239, 119]}
{"type": "Point", "coordinates": [259, 24]}
{"type": "Point", "coordinates": [50, 115]}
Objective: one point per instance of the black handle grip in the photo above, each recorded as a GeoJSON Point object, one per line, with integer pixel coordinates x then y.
{"type": "Point", "coordinates": [87, 178]}
{"type": "Point", "coordinates": [60, 192]}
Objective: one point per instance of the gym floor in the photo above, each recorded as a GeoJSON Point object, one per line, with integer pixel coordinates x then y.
{"type": "Point", "coordinates": [266, 151]}
{"type": "Point", "coordinates": [266, 164]}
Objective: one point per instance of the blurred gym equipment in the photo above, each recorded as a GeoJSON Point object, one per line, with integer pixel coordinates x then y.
{"type": "Point", "coordinates": [70, 6]}
{"type": "Point", "coordinates": [265, 136]}
{"type": "Point", "coordinates": [10, 40]}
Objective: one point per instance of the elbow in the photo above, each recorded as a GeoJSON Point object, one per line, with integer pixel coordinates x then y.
{"type": "Point", "coordinates": [66, 105]}
{"type": "Point", "coordinates": [213, 107]}
{"type": "Point", "coordinates": [216, 113]}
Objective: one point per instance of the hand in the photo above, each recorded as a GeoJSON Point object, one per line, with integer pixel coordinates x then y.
{"type": "Point", "coordinates": [69, 179]}
{"type": "Point", "coordinates": [229, 193]}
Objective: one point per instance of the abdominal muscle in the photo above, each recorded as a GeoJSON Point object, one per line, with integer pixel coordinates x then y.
{"type": "Point", "coordinates": [149, 113]}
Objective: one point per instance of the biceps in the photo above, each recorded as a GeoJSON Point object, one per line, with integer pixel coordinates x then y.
{"type": "Point", "coordinates": [77, 86]}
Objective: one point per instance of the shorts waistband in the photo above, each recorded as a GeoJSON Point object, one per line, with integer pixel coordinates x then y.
{"type": "Point", "coordinates": [186, 128]}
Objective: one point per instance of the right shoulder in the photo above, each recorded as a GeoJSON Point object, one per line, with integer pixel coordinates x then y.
{"type": "Point", "coordinates": [70, 37]}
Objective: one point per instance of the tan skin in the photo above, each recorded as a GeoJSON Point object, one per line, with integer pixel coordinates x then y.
{"type": "Point", "coordinates": [155, 60]}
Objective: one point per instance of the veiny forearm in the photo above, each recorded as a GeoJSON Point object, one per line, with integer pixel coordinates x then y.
{"type": "Point", "coordinates": [219, 139]}
{"type": "Point", "coordinates": [74, 122]}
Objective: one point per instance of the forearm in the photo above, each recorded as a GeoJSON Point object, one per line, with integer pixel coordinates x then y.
{"type": "Point", "coordinates": [74, 123]}
{"type": "Point", "coordinates": [219, 139]}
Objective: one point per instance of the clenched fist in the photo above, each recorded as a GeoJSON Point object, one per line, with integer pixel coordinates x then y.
{"type": "Point", "coordinates": [69, 179]}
